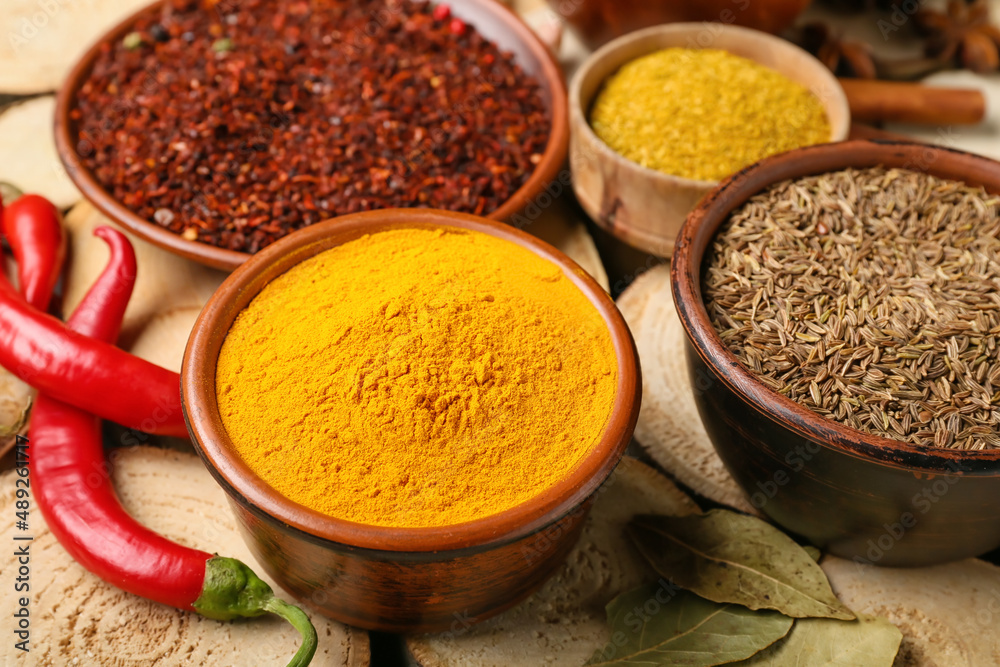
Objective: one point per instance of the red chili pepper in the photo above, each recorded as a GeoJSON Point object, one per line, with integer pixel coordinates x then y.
{"type": "Point", "coordinates": [72, 486]}
{"type": "Point", "coordinates": [33, 228]}
{"type": "Point", "coordinates": [89, 374]}
{"type": "Point", "coordinates": [99, 315]}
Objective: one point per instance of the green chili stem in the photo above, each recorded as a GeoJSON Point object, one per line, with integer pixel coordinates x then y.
{"type": "Point", "coordinates": [231, 590]}
{"type": "Point", "coordinates": [300, 622]}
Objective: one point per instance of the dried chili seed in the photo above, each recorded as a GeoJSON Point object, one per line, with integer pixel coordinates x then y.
{"type": "Point", "coordinates": [313, 110]}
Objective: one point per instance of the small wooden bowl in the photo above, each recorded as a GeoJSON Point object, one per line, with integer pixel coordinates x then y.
{"type": "Point", "coordinates": [399, 579]}
{"type": "Point", "coordinates": [848, 492]}
{"type": "Point", "coordinates": [644, 207]}
{"type": "Point", "coordinates": [493, 20]}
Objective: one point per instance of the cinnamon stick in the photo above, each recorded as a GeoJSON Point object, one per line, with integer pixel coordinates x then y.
{"type": "Point", "coordinates": [899, 102]}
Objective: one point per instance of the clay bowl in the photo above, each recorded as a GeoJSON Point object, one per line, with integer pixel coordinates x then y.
{"type": "Point", "coordinates": [398, 579]}
{"type": "Point", "coordinates": [855, 495]}
{"type": "Point", "coordinates": [598, 21]}
{"type": "Point", "coordinates": [644, 207]}
{"type": "Point", "coordinates": [492, 19]}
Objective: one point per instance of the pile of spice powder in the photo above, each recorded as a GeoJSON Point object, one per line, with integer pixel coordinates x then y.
{"type": "Point", "coordinates": [417, 377]}
{"type": "Point", "coordinates": [234, 123]}
{"type": "Point", "coordinates": [704, 113]}
{"type": "Point", "coordinates": [872, 297]}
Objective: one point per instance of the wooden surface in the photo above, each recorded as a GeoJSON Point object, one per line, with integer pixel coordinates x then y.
{"type": "Point", "coordinates": [28, 152]}
{"type": "Point", "coordinates": [516, 628]}
{"type": "Point", "coordinates": [78, 619]}
{"type": "Point", "coordinates": [41, 41]}
{"type": "Point", "coordinates": [670, 429]}
{"type": "Point", "coordinates": [947, 613]}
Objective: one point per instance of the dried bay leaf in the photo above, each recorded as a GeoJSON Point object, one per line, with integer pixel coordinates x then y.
{"type": "Point", "coordinates": [821, 642]}
{"type": "Point", "coordinates": [813, 552]}
{"type": "Point", "coordinates": [659, 624]}
{"type": "Point", "coordinates": [730, 557]}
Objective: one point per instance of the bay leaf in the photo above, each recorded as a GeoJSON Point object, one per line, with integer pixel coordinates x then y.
{"type": "Point", "coordinates": [660, 624]}
{"type": "Point", "coordinates": [821, 642]}
{"type": "Point", "coordinates": [813, 552]}
{"type": "Point", "coordinates": [730, 557]}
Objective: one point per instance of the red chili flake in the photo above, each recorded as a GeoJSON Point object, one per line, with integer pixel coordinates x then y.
{"type": "Point", "coordinates": [457, 27]}
{"type": "Point", "coordinates": [313, 110]}
{"type": "Point", "coordinates": [442, 13]}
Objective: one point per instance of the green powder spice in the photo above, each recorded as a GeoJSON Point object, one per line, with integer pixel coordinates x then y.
{"type": "Point", "coordinates": [704, 113]}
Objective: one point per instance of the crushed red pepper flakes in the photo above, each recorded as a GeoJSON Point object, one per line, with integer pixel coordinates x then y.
{"type": "Point", "coordinates": [234, 122]}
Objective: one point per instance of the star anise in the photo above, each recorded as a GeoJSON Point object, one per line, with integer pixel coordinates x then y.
{"type": "Point", "coordinates": [962, 35]}
{"type": "Point", "coordinates": [843, 57]}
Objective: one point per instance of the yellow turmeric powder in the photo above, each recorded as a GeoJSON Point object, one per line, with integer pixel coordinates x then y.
{"type": "Point", "coordinates": [417, 377]}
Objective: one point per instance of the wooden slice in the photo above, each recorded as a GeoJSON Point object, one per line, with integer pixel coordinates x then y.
{"type": "Point", "coordinates": [163, 339]}
{"type": "Point", "coordinates": [169, 290]}
{"type": "Point", "coordinates": [42, 39]}
{"type": "Point", "coordinates": [16, 398]}
{"type": "Point", "coordinates": [78, 619]}
{"type": "Point", "coordinates": [560, 226]}
{"type": "Point", "coordinates": [564, 622]}
{"type": "Point", "coordinates": [669, 427]}
{"type": "Point", "coordinates": [28, 158]}
{"type": "Point", "coordinates": [948, 613]}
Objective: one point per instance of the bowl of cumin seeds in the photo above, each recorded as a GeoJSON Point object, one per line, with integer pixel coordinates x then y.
{"type": "Point", "coordinates": [841, 305]}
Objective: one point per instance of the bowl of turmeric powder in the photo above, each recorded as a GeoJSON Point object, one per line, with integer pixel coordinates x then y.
{"type": "Point", "coordinates": [411, 412]}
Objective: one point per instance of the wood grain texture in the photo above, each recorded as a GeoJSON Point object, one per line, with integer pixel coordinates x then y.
{"type": "Point", "coordinates": [947, 613]}
{"type": "Point", "coordinates": [560, 226]}
{"type": "Point", "coordinates": [28, 157]}
{"type": "Point", "coordinates": [564, 622]}
{"type": "Point", "coordinates": [669, 427]}
{"type": "Point", "coordinates": [79, 619]}
{"type": "Point", "coordinates": [42, 40]}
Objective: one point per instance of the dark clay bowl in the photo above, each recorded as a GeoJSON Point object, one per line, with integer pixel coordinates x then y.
{"type": "Point", "coordinates": [491, 19]}
{"type": "Point", "coordinates": [853, 494]}
{"type": "Point", "coordinates": [398, 579]}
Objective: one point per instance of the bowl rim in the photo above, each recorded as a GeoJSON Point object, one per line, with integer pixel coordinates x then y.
{"type": "Point", "coordinates": [549, 78]}
{"type": "Point", "coordinates": [579, 117]}
{"type": "Point", "coordinates": [242, 485]}
{"type": "Point", "coordinates": [700, 228]}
